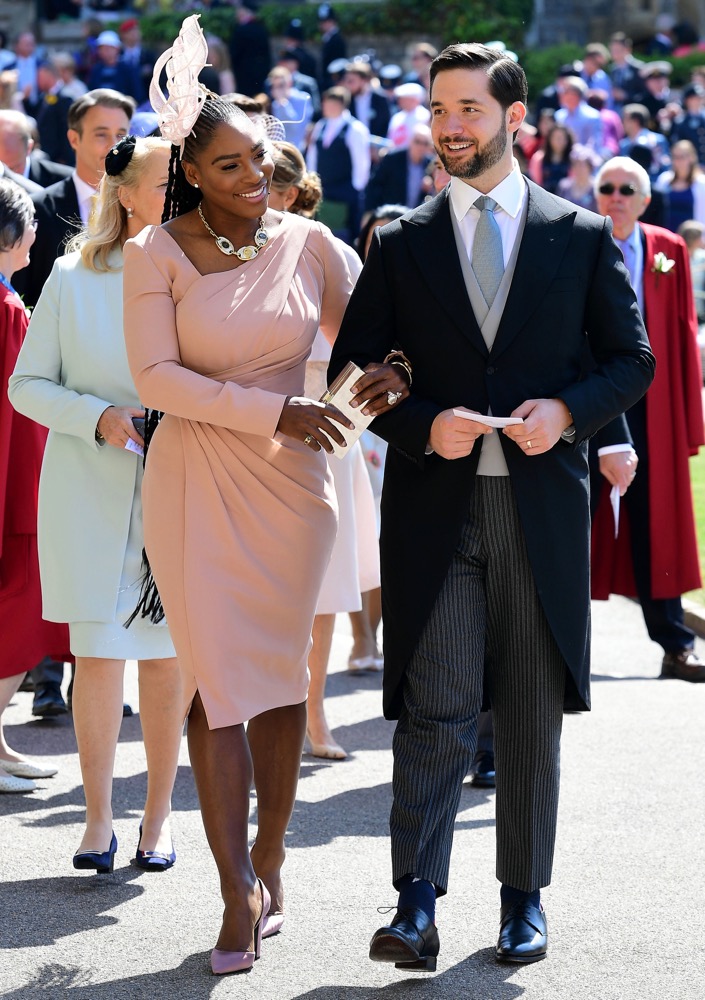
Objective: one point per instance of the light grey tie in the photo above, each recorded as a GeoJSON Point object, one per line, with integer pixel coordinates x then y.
{"type": "Point", "coordinates": [487, 253]}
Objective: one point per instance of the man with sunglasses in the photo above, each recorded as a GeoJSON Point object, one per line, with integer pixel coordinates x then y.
{"type": "Point", "coordinates": [655, 554]}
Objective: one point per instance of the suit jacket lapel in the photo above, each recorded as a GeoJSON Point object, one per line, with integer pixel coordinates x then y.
{"type": "Point", "coordinates": [432, 244]}
{"type": "Point", "coordinates": [546, 235]}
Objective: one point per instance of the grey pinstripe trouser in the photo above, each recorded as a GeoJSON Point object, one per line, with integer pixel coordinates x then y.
{"type": "Point", "coordinates": [487, 626]}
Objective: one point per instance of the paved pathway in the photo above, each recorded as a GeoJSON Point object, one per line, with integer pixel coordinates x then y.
{"type": "Point", "coordinates": [625, 909]}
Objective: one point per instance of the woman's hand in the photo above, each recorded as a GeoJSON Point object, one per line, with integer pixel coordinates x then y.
{"type": "Point", "coordinates": [313, 423]}
{"type": "Point", "coordinates": [381, 388]}
{"type": "Point", "coordinates": [115, 425]}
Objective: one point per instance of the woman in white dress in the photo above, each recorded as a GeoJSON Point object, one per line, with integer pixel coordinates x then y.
{"type": "Point", "coordinates": [354, 564]}
{"type": "Point", "coordinates": [72, 376]}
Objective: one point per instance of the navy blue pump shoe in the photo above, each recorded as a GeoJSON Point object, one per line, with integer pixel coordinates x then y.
{"type": "Point", "coordinates": [154, 861]}
{"type": "Point", "coordinates": [101, 862]}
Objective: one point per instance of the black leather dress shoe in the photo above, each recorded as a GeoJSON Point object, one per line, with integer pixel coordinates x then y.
{"type": "Point", "coordinates": [410, 941]}
{"type": "Point", "coordinates": [482, 772]}
{"type": "Point", "coordinates": [684, 666]}
{"type": "Point", "coordinates": [48, 701]}
{"type": "Point", "coordinates": [523, 934]}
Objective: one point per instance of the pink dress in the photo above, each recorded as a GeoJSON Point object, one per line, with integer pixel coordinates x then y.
{"type": "Point", "coordinates": [238, 521]}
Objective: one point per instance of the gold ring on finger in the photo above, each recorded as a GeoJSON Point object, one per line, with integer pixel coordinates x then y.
{"type": "Point", "coordinates": [308, 439]}
{"type": "Point", "coordinates": [528, 444]}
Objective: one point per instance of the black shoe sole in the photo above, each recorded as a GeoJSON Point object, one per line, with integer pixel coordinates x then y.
{"type": "Point", "coordinates": [520, 959]}
{"type": "Point", "coordinates": [389, 948]}
{"type": "Point", "coordinates": [50, 712]}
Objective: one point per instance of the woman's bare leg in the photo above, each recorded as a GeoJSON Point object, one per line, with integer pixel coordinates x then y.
{"type": "Point", "coordinates": [97, 716]}
{"type": "Point", "coordinates": [276, 740]}
{"type": "Point", "coordinates": [161, 709]}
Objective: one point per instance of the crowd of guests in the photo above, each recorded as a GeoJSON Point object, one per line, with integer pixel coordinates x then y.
{"type": "Point", "coordinates": [325, 155]}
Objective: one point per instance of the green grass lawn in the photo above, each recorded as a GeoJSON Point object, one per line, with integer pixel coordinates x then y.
{"type": "Point", "coordinates": [697, 478]}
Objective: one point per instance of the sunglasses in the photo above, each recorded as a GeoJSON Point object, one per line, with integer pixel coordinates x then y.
{"type": "Point", "coordinates": [626, 189]}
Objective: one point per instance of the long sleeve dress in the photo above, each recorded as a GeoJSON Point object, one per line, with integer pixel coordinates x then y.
{"type": "Point", "coordinates": [239, 520]}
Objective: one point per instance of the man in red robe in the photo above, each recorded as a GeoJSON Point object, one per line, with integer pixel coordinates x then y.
{"type": "Point", "coordinates": [654, 556]}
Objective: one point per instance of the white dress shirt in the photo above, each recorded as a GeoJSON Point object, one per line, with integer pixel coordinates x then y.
{"type": "Point", "coordinates": [85, 194]}
{"type": "Point", "coordinates": [509, 194]}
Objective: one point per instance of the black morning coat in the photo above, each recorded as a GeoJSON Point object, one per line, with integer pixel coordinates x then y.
{"type": "Point", "coordinates": [569, 284]}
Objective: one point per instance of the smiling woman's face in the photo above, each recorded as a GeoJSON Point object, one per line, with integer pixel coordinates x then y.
{"type": "Point", "coordinates": [235, 169]}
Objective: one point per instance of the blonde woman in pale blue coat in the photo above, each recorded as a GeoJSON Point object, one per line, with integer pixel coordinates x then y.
{"type": "Point", "coordinates": [72, 376]}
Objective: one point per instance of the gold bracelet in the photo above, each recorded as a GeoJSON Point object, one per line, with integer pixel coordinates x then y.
{"type": "Point", "coordinates": [399, 358]}
{"type": "Point", "coordinates": [405, 367]}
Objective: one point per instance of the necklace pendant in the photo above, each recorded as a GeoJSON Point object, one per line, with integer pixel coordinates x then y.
{"type": "Point", "coordinates": [261, 237]}
{"type": "Point", "coordinates": [247, 253]}
{"type": "Point", "coordinates": [225, 246]}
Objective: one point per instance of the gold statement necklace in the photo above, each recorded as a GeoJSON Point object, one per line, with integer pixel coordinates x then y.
{"type": "Point", "coordinates": [244, 253]}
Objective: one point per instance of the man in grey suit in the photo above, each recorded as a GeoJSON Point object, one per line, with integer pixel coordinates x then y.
{"type": "Point", "coordinates": [492, 291]}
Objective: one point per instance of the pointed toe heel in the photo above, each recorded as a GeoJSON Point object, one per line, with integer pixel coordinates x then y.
{"type": "Point", "coordinates": [225, 962]}
{"type": "Point", "coordinates": [154, 861]}
{"type": "Point", "coordinates": [100, 862]}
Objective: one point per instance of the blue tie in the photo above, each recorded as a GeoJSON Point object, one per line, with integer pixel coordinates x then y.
{"type": "Point", "coordinates": [487, 252]}
{"type": "Point", "coordinates": [628, 254]}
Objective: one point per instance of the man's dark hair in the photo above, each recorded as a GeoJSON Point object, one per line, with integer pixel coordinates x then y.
{"type": "Point", "coordinates": [102, 97]}
{"type": "Point", "coordinates": [507, 80]}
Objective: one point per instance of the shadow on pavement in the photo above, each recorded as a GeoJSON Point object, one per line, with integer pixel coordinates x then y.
{"type": "Point", "coordinates": [192, 978]}
{"type": "Point", "coordinates": [41, 911]}
{"type": "Point", "coordinates": [476, 976]}
{"type": "Point", "coordinates": [128, 801]}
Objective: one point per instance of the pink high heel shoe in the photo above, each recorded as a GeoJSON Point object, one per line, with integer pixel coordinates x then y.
{"type": "Point", "coordinates": [223, 962]}
{"type": "Point", "coordinates": [272, 924]}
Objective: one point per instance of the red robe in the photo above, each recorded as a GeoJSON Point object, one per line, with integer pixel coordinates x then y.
{"type": "Point", "coordinates": [674, 429]}
{"type": "Point", "coordinates": [25, 638]}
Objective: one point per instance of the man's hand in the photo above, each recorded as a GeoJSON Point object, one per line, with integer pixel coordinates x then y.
{"type": "Point", "coordinates": [544, 422]}
{"type": "Point", "coordinates": [454, 437]}
{"type": "Point", "coordinates": [619, 468]}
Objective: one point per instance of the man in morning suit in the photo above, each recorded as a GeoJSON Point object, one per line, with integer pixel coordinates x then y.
{"type": "Point", "coordinates": [96, 122]}
{"type": "Point", "coordinates": [655, 554]}
{"type": "Point", "coordinates": [491, 291]}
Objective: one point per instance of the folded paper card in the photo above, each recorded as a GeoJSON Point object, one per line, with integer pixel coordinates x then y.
{"type": "Point", "coordinates": [488, 419]}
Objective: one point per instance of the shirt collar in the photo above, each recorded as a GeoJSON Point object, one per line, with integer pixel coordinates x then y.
{"type": "Point", "coordinates": [631, 240]}
{"type": "Point", "coordinates": [84, 191]}
{"type": "Point", "coordinates": [509, 194]}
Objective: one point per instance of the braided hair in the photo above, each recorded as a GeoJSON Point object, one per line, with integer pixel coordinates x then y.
{"type": "Point", "coordinates": [182, 197]}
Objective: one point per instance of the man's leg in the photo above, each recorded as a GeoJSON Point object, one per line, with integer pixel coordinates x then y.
{"type": "Point", "coordinates": [48, 699]}
{"type": "Point", "coordinates": [526, 675]}
{"type": "Point", "coordinates": [435, 738]}
{"type": "Point", "coordinates": [433, 745]}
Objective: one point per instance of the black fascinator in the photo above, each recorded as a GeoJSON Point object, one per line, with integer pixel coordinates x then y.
{"type": "Point", "coordinates": [120, 155]}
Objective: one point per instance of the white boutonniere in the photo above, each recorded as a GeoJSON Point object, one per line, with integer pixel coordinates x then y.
{"type": "Point", "coordinates": [662, 264]}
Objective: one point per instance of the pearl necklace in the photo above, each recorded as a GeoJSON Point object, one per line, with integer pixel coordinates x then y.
{"type": "Point", "coordinates": [226, 247]}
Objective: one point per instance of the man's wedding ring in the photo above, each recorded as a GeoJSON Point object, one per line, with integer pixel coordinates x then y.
{"type": "Point", "coordinates": [308, 439]}
{"type": "Point", "coordinates": [528, 444]}
{"type": "Point", "coordinates": [393, 397]}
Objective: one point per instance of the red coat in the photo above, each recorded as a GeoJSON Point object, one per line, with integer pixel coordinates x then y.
{"type": "Point", "coordinates": [25, 638]}
{"type": "Point", "coordinates": [674, 428]}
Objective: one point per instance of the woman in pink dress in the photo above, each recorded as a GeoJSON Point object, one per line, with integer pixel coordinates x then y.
{"type": "Point", "coordinates": [222, 303]}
